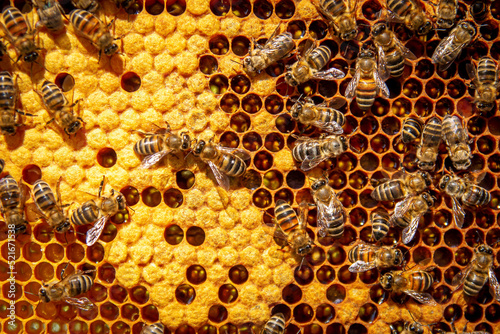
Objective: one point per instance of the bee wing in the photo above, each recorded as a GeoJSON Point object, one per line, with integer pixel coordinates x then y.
{"type": "Point", "coordinates": [381, 85]}
{"type": "Point", "coordinates": [409, 231]}
{"type": "Point", "coordinates": [494, 286]}
{"type": "Point", "coordinates": [236, 151]}
{"type": "Point", "coordinates": [407, 54]}
{"type": "Point", "coordinates": [222, 179]}
{"type": "Point", "coordinates": [393, 17]}
{"type": "Point", "coordinates": [471, 71]}
{"type": "Point", "coordinates": [330, 74]}
{"type": "Point", "coordinates": [401, 208]}
{"type": "Point", "coordinates": [279, 233]}
{"type": "Point", "coordinates": [272, 45]}
{"type": "Point", "coordinates": [95, 232]}
{"type": "Point", "coordinates": [337, 102]}
{"type": "Point", "coordinates": [274, 34]}
{"type": "Point", "coordinates": [460, 277]}
{"type": "Point", "coordinates": [447, 49]}
{"type": "Point", "coordinates": [153, 159]}
{"type": "Point", "coordinates": [332, 127]}
{"type": "Point", "coordinates": [458, 212]}
{"type": "Point", "coordinates": [422, 297]}
{"type": "Point", "coordinates": [361, 266]}
{"type": "Point", "coordinates": [25, 193]}
{"type": "Point", "coordinates": [301, 139]}
{"type": "Point", "coordinates": [82, 303]}
{"type": "Point", "coordinates": [309, 163]}
{"type": "Point", "coordinates": [382, 63]}
{"type": "Point", "coordinates": [325, 213]}
{"type": "Point", "coordinates": [351, 87]}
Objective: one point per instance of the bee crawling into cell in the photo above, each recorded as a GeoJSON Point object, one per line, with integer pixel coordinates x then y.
{"type": "Point", "coordinates": [224, 162]}
{"type": "Point", "coordinates": [311, 152]}
{"type": "Point", "coordinates": [89, 5]}
{"type": "Point", "coordinates": [401, 186]}
{"type": "Point", "coordinates": [486, 83]}
{"type": "Point", "coordinates": [446, 13]}
{"type": "Point", "coordinates": [98, 212]}
{"type": "Point", "coordinates": [455, 331]}
{"type": "Point", "coordinates": [414, 327]}
{"type": "Point", "coordinates": [156, 328]}
{"type": "Point", "coordinates": [456, 137]}
{"type": "Point", "coordinates": [365, 257]}
{"type": "Point", "coordinates": [410, 131]}
{"type": "Point", "coordinates": [50, 14]}
{"type": "Point", "coordinates": [450, 47]}
{"type": "Point", "coordinates": [322, 116]}
{"type": "Point", "coordinates": [341, 15]}
{"type": "Point", "coordinates": [155, 146]}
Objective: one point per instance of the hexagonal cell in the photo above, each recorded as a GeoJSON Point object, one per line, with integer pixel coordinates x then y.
{"type": "Point", "coordinates": [106, 157]}
{"type": "Point", "coordinates": [274, 104]}
{"type": "Point", "coordinates": [240, 84]}
{"type": "Point", "coordinates": [229, 139]}
{"type": "Point", "coordinates": [240, 122]}
{"type": "Point", "coordinates": [195, 236]}
{"type": "Point", "coordinates": [208, 64]}
{"type": "Point", "coordinates": [291, 294]}
{"type": "Point", "coordinates": [297, 29]}
{"type": "Point", "coordinates": [130, 82]}
{"type": "Point", "coordinates": [228, 293]}
{"type": "Point", "coordinates": [318, 29]}
{"type": "Point", "coordinates": [241, 8]}
{"type": "Point", "coordinates": [219, 45]}
{"type": "Point", "coordinates": [151, 197]}
{"type": "Point", "coordinates": [424, 69]}
{"type": "Point", "coordinates": [185, 294]}
{"type": "Point", "coordinates": [303, 313]}
{"type": "Point", "coordinates": [423, 107]}
{"type": "Point", "coordinates": [220, 7]}
{"type": "Point", "coordinates": [173, 235]}
{"type": "Point", "coordinates": [218, 84]}
{"type": "Point", "coordinates": [217, 313]}
{"type": "Point", "coordinates": [262, 9]}
{"type": "Point", "coordinates": [336, 293]}
{"type": "Point", "coordinates": [31, 174]}
{"type": "Point", "coordinates": [285, 9]}
{"type": "Point", "coordinates": [240, 45]}
{"type": "Point", "coordinates": [412, 88]}
{"type": "Point", "coordinates": [303, 275]}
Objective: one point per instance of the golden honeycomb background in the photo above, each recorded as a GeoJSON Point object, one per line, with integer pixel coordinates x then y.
{"type": "Point", "coordinates": [197, 258]}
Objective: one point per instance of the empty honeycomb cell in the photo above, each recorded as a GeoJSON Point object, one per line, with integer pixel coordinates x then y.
{"type": "Point", "coordinates": [219, 45]}
{"type": "Point", "coordinates": [371, 10]}
{"type": "Point", "coordinates": [95, 253]}
{"type": "Point", "coordinates": [453, 238]}
{"type": "Point", "coordinates": [336, 293]}
{"type": "Point", "coordinates": [445, 106]}
{"type": "Point", "coordinates": [284, 194]}
{"type": "Point", "coordinates": [449, 73]}
{"type": "Point", "coordinates": [442, 218]}
{"type": "Point", "coordinates": [228, 293]}
{"type": "Point", "coordinates": [220, 7]}
{"type": "Point", "coordinates": [139, 294]}
{"type": "Point", "coordinates": [369, 125]}
{"type": "Point", "coordinates": [252, 141]}
{"type": "Point", "coordinates": [282, 88]}
{"type": "Point", "coordinates": [185, 179]}
{"type": "Point", "coordinates": [273, 179]}
{"type": "Point", "coordinates": [240, 122]}
{"type": "Point", "coordinates": [295, 179]}
{"type": "Point", "coordinates": [173, 235]}
{"type": "Point", "coordinates": [262, 9]}
{"type": "Point", "coordinates": [442, 257]}
{"type": "Point", "coordinates": [262, 198]}
{"type": "Point", "coordinates": [229, 139]}
{"type": "Point", "coordinates": [463, 256]}
{"type": "Point", "coordinates": [378, 295]}
{"type": "Point", "coordinates": [412, 88]}
{"type": "Point", "coordinates": [473, 312]}
{"type": "Point", "coordinates": [31, 174]}
{"type": "Point", "coordinates": [54, 252]}
{"type": "Point", "coordinates": [251, 103]}
{"type": "Point", "coordinates": [185, 329]}
{"type": "Point", "coordinates": [263, 160]}
{"type": "Point", "coordinates": [423, 107]}
{"type": "Point", "coordinates": [424, 69]}
{"type": "Point", "coordinates": [391, 162]}
{"type": "Point", "coordinates": [318, 29]}
{"type": "Point", "coordinates": [208, 65]}
{"type": "Point", "coordinates": [176, 7]}
{"type": "Point", "coordinates": [486, 144]}
{"type": "Point", "coordinates": [349, 50]}
{"type": "Point", "coordinates": [366, 199]}
{"type": "Point", "coordinates": [369, 162]}
{"type": "Point", "coordinates": [155, 7]}
{"type": "Point", "coordinates": [492, 312]}
{"type": "Point", "coordinates": [151, 196]}
{"type": "Point", "coordinates": [292, 294]}
{"type": "Point", "coordinates": [303, 313]}
{"type": "Point", "coordinates": [64, 81]}
{"type": "Point", "coordinates": [130, 82]}
{"type": "Point", "coordinates": [345, 276]}
{"type": "Point", "coordinates": [106, 157]}
{"type": "Point", "coordinates": [394, 87]}
{"type": "Point", "coordinates": [421, 253]}
{"type": "Point", "coordinates": [185, 294]}
{"type": "Point", "coordinates": [492, 237]}
{"type": "Point", "coordinates": [218, 84]}
{"type": "Point", "coordinates": [274, 105]}
{"type": "Point", "coordinates": [303, 275]}
{"type": "Point", "coordinates": [476, 50]}
{"type": "Point", "coordinates": [452, 312]}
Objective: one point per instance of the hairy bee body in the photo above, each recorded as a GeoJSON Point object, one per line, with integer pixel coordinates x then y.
{"type": "Point", "coordinates": [450, 47]}
{"type": "Point", "coordinates": [419, 206]}
{"type": "Point", "coordinates": [156, 328]}
{"type": "Point", "coordinates": [19, 33]}
{"type": "Point", "coordinates": [46, 202]}
{"type": "Point", "coordinates": [321, 116]}
{"type": "Point", "coordinates": [276, 48]}
{"type": "Point", "coordinates": [90, 27]}
{"type": "Point", "coordinates": [341, 15]}
{"type": "Point", "coordinates": [87, 213]}
{"type": "Point", "coordinates": [311, 152]}
{"type": "Point", "coordinates": [230, 164]}
{"type": "Point", "coordinates": [410, 12]}
{"type": "Point", "coordinates": [457, 142]}
{"type": "Point", "coordinates": [412, 129]}
{"type": "Point", "coordinates": [446, 13]}
{"type": "Point", "coordinates": [412, 283]}
{"type": "Point", "coordinates": [380, 224]}
{"type": "Point", "coordinates": [292, 228]}
{"type": "Point", "coordinates": [275, 325]}
{"type": "Point", "coordinates": [68, 288]}
{"type": "Point", "coordinates": [409, 328]}
{"type": "Point", "coordinates": [486, 83]}
{"type": "Point", "coordinates": [150, 145]}
{"type": "Point", "coordinates": [87, 5]}
{"type": "Point", "coordinates": [331, 212]}
{"type": "Point", "coordinates": [50, 14]}
{"type": "Point", "coordinates": [12, 203]}
{"type": "Point", "coordinates": [428, 149]}
{"type": "Point", "coordinates": [130, 6]}
{"type": "Point", "coordinates": [8, 97]}
{"type": "Point", "coordinates": [412, 184]}
{"type": "Point", "coordinates": [365, 257]}
{"type": "Point", "coordinates": [479, 10]}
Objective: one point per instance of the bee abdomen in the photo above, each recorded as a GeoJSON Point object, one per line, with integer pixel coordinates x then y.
{"type": "Point", "coordinates": [380, 225]}
{"type": "Point", "coordinates": [84, 23]}
{"type": "Point", "coordinates": [396, 64]}
{"type": "Point", "coordinates": [319, 57]}
{"type": "Point", "coordinates": [336, 117]}
{"type": "Point", "coordinates": [421, 281]}
{"type": "Point", "coordinates": [232, 165]}
{"type": "Point", "coordinates": [275, 325]}
{"type": "Point", "coordinates": [14, 21]}
{"type": "Point", "coordinates": [486, 71]}
{"type": "Point", "coordinates": [7, 91]}
{"type": "Point", "coordinates": [474, 282]}
{"type": "Point", "coordinates": [10, 194]}
{"type": "Point", "coordinates": [335, 227]}
{"type": "Point", "coordinates": [149, 145]}
{"type": "Point", "coordinates": [412, 129]}
{"type": "Point", "coordinates": [388, 191]}
{"type": "Point", "coordinates": [403, 222]}
{"type": "Point", "coordinates": [433, 131]}
{"type": "Point", "coordinates": [85, 214]}
{"type": "Point", "coordinates": [299, 152]}
{"type": "Point", "coordinates": [156, 328]}
{"type": "Point", "coordinates": [333, 7]}
{"type": "Point", "coordinates": [79, 284]}
{"type": "Point", "coordinates": [285, 215]}
{"type": "Point", "coordinates": [52, 96]}
{"type": "Point", "coordinates": [476, 195]}
{"type": "Point", "coordinates": [399, 7]}
{"type": "Point", "coordinates": [355, 254]}
{"type": "Point", "coordinates": [44, 197]}
{"type": "Point", "coordinates": [366, 91]}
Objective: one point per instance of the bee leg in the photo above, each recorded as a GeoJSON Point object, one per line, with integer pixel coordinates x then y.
{"type": "Point", "coordinates": [101, 186]}
{"type": "Point", "coordinates": [25, 113]}
{"type": "Point", "coordinates": [63, 270]}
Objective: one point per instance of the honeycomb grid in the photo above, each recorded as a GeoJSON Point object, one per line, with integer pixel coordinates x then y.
{"type": "Point", "coordinates": [196, 257]}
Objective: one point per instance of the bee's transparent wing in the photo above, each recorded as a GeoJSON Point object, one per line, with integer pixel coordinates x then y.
{"type": "Point", "coordinates": [401, 208]}
{"type": "Point", "coordinates": [407, 54]}
{"type": "Point", "coordinates": [153, 159]}
{"type": "Point", "coordinates": [332, 127]}
{"type": "Point", "coordinates": [95, 232]}
{"type": "Point", "coordinates": [459, 278]}
{"type": "Point", "coordinates": [458, 212]}
{"type": "Point", "coordinates": [322, 219]}
{"type": "Point", "coordinates": [351, 87]}
{"type": "Point", "coordinates": [330, 74]}
{"type": "Point", "coordinates": [309, 163]}
{"type": "Point", "coordinates": [337, 102]}
{"type": "Point", "coordinates": [382, 63]}
{"type": "Point", "coordinates": [361, 266]}
{"type": "Point", "coordinates": [236, 151]}
{"type": "Point", "coordinates": [222, 179]}
{"type": "Point", "coordinates": [274, 44]}
{"type": "Point", "coordinates": [447, 49]}
{"type": "Point", "coordinates": [393, 17]}
{"type": "Point", "coordinates": [494, 286]}
{"type": "Point", "coordinates": [409, 231]}
{"type": "Point", "coordinates": [471, 71]}
{"type": "Point", "coordinates": [381, 85]}
{"type": "Point", "coordinates": [422, 297]}
{"type": "Point", "coordinates": [82, 303]}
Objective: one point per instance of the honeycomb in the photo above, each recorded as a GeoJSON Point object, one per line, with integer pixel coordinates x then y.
{"type": "Point", "coordinates": [195, 257]}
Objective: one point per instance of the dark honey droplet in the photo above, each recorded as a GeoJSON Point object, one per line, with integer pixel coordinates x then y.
{"type": "Point", "coordinates": [130, 82]}
{"type": "Point", "coordinates": [106, 157]}
{"type": "Point", "coordinates": [185, 294]}
{"type": "Point", "coordinates": [217, 313]}
{"type": "Point", "coordinates": [238, 274]}
{"type": "Point", "coordinates": [174, 235]}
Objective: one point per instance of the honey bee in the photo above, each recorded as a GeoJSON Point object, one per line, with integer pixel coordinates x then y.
{"type": "Point", "coordinates": [90, 27]}
{"type": "Point", "coordinates": [408, 212]}
{"type": "Point", "coordinates": [19, 34]}
{"type": "Point", "coordinates": [130, 6]}
{"type": "Point", "coordinates": [99, 212]}
{"type": "Point", "coordinates": [465, 190]}
{"type": "Point", "coordinates": [311, 152]}
{"type": "Point", "coordinates": [457, 142]}
{"type": "Point", "coordinates": [223, 161]}
{"type": "Point", "coordinates": [380, 224]}
{"type": "Point", "coordinates": [9, 118]}
{"type": "Point", "coordinates": [160, 143]}
{"type": "Point", "coordinates": [276, 48]}
{"type": "Point", "coordinates": [12, 200]}
{"type": "Point", "coordinates": [87, 5]}
{"type": "Point", "coordinates": [341, 14]}
{"type": "Point", "coordinates": [309, 66]}
{"type": "Point", "coordinates": [446, 13]}
{"type": "Point", "coordinates": [455, 331]}
{"type": "Point", "coordinates": [409, 328]}
{"type": "Point", "coordinates": [404, 186]}
{"type": "Point", "coordinates": [412, 283]}
{"type": "Point", "coordinates": [411, 130]}
{"type": "Point", "coordinates": [365, 257]}
{"type": "Point", "coordinates": [67, 289]}
{"type": "Point", "coordinates": [477, 273]}
{"type": "Point", "coordinates": [366, 83]}
{"type": "Point", "coordinates": [156, 328]}
{"type": "Point", "coordinates": [324, 117]}
{"type": "Point", "coordinates": [59, 107]}
{"type": "Point", "coordinates": [450, 47]}
{"type": "Point", "coordinates": [275, 325]}
{"type": "Point", "coordinates": [331, 212]}
{"type": "Point", "coordinates": [479, 10]}
{"type": "Point", "coordinates": [428, 149]}
{"type": "Point", "coordinates": [50, 14]}
{"type": "Point", "coordinates": [391, 52]}
{"type": "Point", "coordinates": [292, 227]}
{"type": "Point", "coordinates": [486, 83]}
{"type": "Point", "coordinates": [411, 14]}
{"type": "Point", "coordinates": [50, 208]}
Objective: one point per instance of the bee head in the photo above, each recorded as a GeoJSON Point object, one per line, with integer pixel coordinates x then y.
{"type": "Point", "coordinates": [415, 327]}
{"type": "Point", "coordinates": [20, 229]}
{"type": "Point", "coordinates": [120, 199]}
{"type": "Point", "coordinates": [426, 165]}
{"type": "Point", "coordinates": [484, 106]}
{"type": "Point", "coordinates": [290, 80]}
{"type": "Point", "coordinates": [111, 49]}
{"type": "Point", "coordinates": [8, 130]}
{"type": "Point", "coordinates": [483, 249]}
{"type": "Point", "coordinates": [199, 148]}
{"type": "Point", "coordinates": [378, 29]}
{"type": "Point", "coordinates": [444, 181]}
{"type": "Point", "coordinates": [304, 250]}
{"type": "Point", "coordinates": [428, 199]}
{"type": "Point", "coordinates": [386, 281]}
{"type": "Point", "coordinates": [444, 23]}
{"type": "Point", "coordinates": [461, 164]}
{"type": "Point", "coordinates": [366, 53]}
{"type": "Point", "coordinates": [398, 257]}
{"type": "Point", "coordinates": [427, 178]}
{"type": "Point", "coordinates": [63, 227]}
{"type": "Point", "coordinates": [351, 34]}
{"type": "Point", "coordinates": [43, 295]}
{"type": "Point", "coordinates": [248, 65]}
{"type": "Point", "coordinates": [73, 128]}
{"type": "Point", "coordinates": [296, 109]}
{"type": "Point", "coordinates": [31, 57]}
{"type": "Point", "coordinates": [469, 28]}
{"type": "Point", "coordinates": [318, 184]}
{"type": "Point", "coordinates": [425, 28]}
{"type": "Point", "coordinates": [186, 142]}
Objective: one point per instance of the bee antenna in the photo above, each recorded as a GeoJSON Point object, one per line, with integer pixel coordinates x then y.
{"type": "Point", "coordinates": [479, 236]}
{"type": "Point", "coordinates": [234, 61]}
{"type": "Point", "coordinates": [301, 262]}
{"type": "Point", "coordinates": [31, 293]}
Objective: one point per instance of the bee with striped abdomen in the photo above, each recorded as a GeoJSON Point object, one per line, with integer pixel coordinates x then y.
{"type": "Point", "coordinates": [98, 212]}
{"type": "Point", "coordinates": [366, 83]}
{"type": "Point", "coordinates": [341, 14]}
{"type": "Point", "coordinates": [156, 328]}
{"type": "Point", "coordinates": [408, 212]}
{"type": "Point", "coordinates": [331, 213]}
{"type": "Point", "coordinates": [412, 283]}
{"type": "Point", "coordinates": [450, 47]}
{"type": "Point", "coordinates": [322, 116]}
{"type": "Point", "coordinates": [50, 208]}
{"type": "Point", "coordinates": [12, 199]}
{"type": "Point", "coordinates": [87, 5]}
{"type": "Point", "coordinates": [391, 52]}
{"type": "Point", "coordinates": [405, 186]}
{"type": "Point", "coordinates": [311, 152]}
{"type": "Point", "coordinates": [224, 162]}
{"type": "Point", "coordinates": [446, 13]}
{"type": "Point", "coordinates": [19, 34]}
{"type": "Point", "coordinates": [411, 14]}
{"type": "Point", "coordinates": [59, 108]}
{"type": "Point", "coordinates": [428, 149]}
{"type": "Point", "coordinates": [477, 273]}
{"type": "Point", "coordinates": [380, 224]}
{"type": "Point", "coordinates": [464, 189]}
{"type": "Point", "coordinates": [67, 289]}
{"type": "Point", "coordinates": [90, 27]}
{"type": "Point", "coordinates": [309, 67]}
{"type": "Point", "coordinates": [486, 83]}
{"type": "Point", "coordinates": [50, 14]}
{"type": "Point", "coordinates": [275, 325]}
{"type": "Point", "coordinates": [365, 257]}
{"type": "Point", "coordinates": [457, 142]}
{"type": "Point", "coordinates": [411, 130]}
{"type": "Point", "coordinates": [9, 115]}
{"type": "Point", "coordinates": [276, 48]}
{"type": "Point", "coordinates": [157, 145]}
